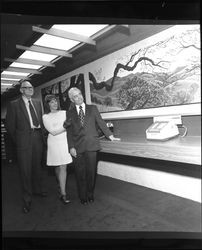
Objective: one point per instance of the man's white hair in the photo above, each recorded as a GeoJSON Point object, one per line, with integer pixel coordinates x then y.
{"type": "Point", "coordinates": [23, 83]}
{"type": "Point", "coordinates": [72, 91]}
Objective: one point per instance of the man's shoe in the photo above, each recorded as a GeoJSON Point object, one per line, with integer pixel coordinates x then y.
{"type": "Point", "coordinates": [84, 202]}
{"type": "Point", "coordinates": [42, 194]}
{"type": "Point", "coordinates": [91, 200]}
{"type": "Point", "coordinates": [26, 208]}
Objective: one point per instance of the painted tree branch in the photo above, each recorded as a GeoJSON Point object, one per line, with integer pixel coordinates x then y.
{"type": "Point", "coordinates": [118, 67]}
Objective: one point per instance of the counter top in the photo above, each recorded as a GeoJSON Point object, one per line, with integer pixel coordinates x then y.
{"type": "Point", "coordinates": [180, 149]}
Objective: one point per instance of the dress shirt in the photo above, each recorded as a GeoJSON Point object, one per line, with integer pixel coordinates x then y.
{"type": "Point", "coordinates": [26, 101]}
{"type": "Point", "coordinates": [83, 107]}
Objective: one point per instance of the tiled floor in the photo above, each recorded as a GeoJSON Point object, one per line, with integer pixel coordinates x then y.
{"type": "Point", "coordinates": [118, 206]}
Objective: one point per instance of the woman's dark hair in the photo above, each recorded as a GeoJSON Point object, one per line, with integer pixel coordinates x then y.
{"type": "Point", "coordinates": [49, 98]}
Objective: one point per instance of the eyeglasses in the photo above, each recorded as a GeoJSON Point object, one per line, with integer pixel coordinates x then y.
{"type": "Point", "coordinates": [27, 88]}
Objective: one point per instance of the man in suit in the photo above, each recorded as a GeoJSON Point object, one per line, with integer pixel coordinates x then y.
{"type": "Point", "coordinates": [24, 124]}
{"type": "Point", "coordinates": [84, 143]}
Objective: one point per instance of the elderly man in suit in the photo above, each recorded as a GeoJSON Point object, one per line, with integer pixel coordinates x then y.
{"type": "Point", "coordinates": [84, 143]}
{"type": "Point", "coordinates": [24, 124]}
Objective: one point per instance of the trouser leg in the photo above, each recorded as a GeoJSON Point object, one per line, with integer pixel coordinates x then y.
{"type": "Point", "coordinates": [80, 173]}
{"type": "Point", "coordinates": [37, 153]}
{"type": "Point", "coordinates": [25, 167]}
{"type": "Point", "coordinates": [90, 164]}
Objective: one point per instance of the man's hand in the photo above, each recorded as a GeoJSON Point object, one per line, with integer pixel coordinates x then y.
{"type": "Point", "coordinates": [67, 123]}
{"type": "Point", "coordinates": [73, 152]}
{"type": "Point", "coordinates": [112, 138]}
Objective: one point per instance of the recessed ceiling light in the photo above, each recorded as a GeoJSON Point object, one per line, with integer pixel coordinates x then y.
{"type": "Point", "coordinates": [55, 42]}
{"type": "Point", "coordinates": [23, 65]}
{"type": "Point", "coordinates": [37, 56]}
{"type": "Point", "coordinates": [15, 73]}
{"type": "Point", "coordinates": [5, 84]}
{"type": "Point", "coordinates": [11, 79]}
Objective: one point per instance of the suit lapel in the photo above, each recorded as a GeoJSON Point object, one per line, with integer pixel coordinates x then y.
{"type": "Point", "coordinates": [86, 114]}
{"type": "Point", "coordinates": [24, 110]}
{"type": "Point", "coordinates": [35, 106]}
{"type": "Point", "coordinates": [76, 116]}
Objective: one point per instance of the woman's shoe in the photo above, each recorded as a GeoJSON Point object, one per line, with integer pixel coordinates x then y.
{"type": "Point", "coordinates": [64, 199]}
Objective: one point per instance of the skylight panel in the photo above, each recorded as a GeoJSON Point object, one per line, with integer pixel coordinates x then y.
{"type": "Point", "coordinates": [15, 73]}
{"type": "Point", "coordinates": [37, 56]}
{"type": "Point", "coordinates": [11, 79]}
{"type": "Point", "coordinates": [27, 66]}
{"type": "Point", "coordinates": [55, 42]}
{"type": "Point", "coordinates": [6, 84]}
{"type": "Point", "coordinates": [82, 29]}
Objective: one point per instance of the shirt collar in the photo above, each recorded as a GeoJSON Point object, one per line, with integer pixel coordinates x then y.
{"type": "Point", "coordinates": [25, 99]}
{"type": "Point", "coordinates": [83, 107]}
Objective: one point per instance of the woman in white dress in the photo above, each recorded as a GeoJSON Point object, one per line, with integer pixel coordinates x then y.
{"type": "Point", "coordinates": [57, 146]}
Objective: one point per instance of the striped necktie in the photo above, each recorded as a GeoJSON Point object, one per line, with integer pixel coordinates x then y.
{"type": "Point", "coordinates": [33, 115]}
{"type": "Point", "coordinates": [81, 115]}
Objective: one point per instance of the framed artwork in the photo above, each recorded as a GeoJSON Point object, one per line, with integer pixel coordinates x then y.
{"type": "Point", "coordinates": [60, 90]}
{"type": "Point", "coordinates": [158, 75]}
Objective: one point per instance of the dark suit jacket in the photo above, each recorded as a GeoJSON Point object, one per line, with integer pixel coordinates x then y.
{"type": "Point", "coordinates": [18, 124]}
{"type": "Point", "coordinates": [85, 138]}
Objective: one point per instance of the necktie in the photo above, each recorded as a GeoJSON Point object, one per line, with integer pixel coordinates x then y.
{"type": "Point", "coordinates": [81, 115]}
{"type": "Point", "coordinates": [33, 115]}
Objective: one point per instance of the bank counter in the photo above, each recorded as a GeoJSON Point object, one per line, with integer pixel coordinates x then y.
{"type": "Point", "coordinates": [180, 149]}
{"type": "Point", "coordinates": [172, 166]}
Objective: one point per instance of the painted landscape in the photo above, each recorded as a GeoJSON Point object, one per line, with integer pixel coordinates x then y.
{"type": "Point", "coordinates": [163, 74]}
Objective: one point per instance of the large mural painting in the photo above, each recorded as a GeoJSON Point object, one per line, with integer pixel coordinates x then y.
{"type": "Point", "coordinates": [160, 71]}
{"type": "Point", "coordinates": [61, 88]}
{"type": "Point", "coordinates": [163, 70]}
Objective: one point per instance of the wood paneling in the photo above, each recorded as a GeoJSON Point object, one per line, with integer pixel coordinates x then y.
{"type": "Point", "coordinates": [187, 150]}
{"type": "Point", "coordinates": [134, 143]}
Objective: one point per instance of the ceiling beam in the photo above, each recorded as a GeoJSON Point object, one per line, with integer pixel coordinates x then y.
{"type": "Point", "coordinates": [44, 50]}
{"type": "Point", "coordinates": [103, 31]}
{"type": "Point", "coordinates": [16, 69]}
{"type": "Point", "coordinates": [30, 61]}
{"type": "Point", "coordinates": [125, 29]}
{"type": "Point", "coordinates": [96, 35]}
{"type": "Point", "coordinates": [65, 34]}
{"type": "Point", "coordinates": [15, 76]}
